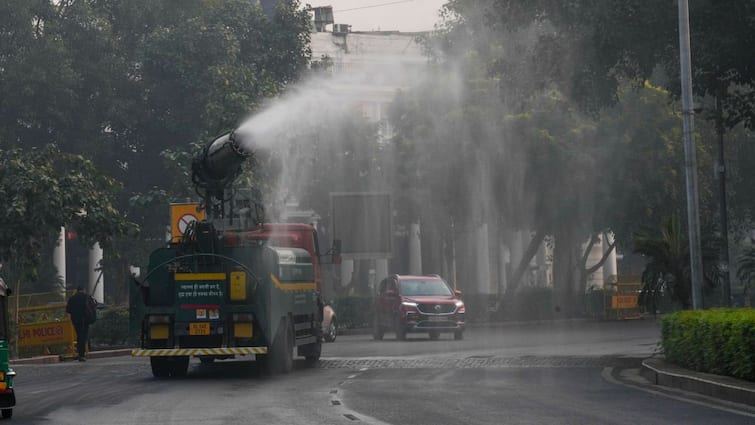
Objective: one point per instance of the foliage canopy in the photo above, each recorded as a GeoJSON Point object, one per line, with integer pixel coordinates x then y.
{"type": "Point", "coordinates": [43, 189]}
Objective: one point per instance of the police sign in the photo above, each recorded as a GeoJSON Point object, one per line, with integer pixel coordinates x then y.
{"type": "Point", "coordinates": [46, 333]}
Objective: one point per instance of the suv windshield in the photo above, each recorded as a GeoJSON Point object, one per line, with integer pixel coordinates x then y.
{"type": "Point", "coordinates": [424, 287]}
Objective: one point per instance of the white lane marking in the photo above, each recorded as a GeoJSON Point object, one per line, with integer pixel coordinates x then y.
{"type": "Point", "coordinates": [606, 374]}
{"type": "Point", "coordinates": [340, 408]}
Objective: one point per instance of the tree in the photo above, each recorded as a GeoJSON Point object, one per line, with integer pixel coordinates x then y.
{"type": "Point", "coordinates": [121, 82]}
{"type": "Point", "coordinates": [451, 165]}
{"type": "Point", "coordinates": [127, 84]}
{"type": "Point", "coordinates": [598, 56]}
{"type": "Point", "coordinates": [43, 189]}
{"type": "Point", "coordinates": [740, 174]}
{"type": "Point", "coordinates": [668, 266]}
{"type": "Point", "coordinates": [545, 143]}
{"type": "Point", "coordinates": [195, 71]}
{"type": "Point", "coordinates": [746, 271]}
{"type": "Point", "coordinates": [498, 148]}
{"type": "Point", "coordinates": [642, 162]}
{"type": "Point", "coordinates": [588, 47]}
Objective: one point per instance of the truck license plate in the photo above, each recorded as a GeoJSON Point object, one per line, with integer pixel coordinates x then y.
{"type": "Point", "coordinates": [199, 328]}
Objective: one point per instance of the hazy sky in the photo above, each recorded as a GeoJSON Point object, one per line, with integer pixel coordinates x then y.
{"type": "Point", "coordinates": [385, 15]}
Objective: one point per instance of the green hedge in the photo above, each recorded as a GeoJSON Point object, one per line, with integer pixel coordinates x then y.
{"type": "Point", "coordinates": [111, 327]}
{"type": "Point", "coordinates": [720, 341]}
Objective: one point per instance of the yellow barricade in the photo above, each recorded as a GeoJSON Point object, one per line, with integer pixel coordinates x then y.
{"type": "Point", "coordinates": [46, 333]}
{"type": "Point", "coordinates": [622, 299]}
{"type": "Point", "coordinates": [42, 322]}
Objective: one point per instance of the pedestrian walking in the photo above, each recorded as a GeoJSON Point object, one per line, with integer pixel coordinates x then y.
{"type": "Point", "coordinates": [83, 311]}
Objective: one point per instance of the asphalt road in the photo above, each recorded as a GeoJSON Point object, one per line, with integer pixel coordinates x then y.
{"type": "Point", "coordinates": [516, 395]}
{"type": "Point", "coordinates": [574, 373]}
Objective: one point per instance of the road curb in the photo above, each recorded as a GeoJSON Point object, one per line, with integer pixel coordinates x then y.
{"type": "Point", "coordinates": [109, 353]}
{"type": "Point", "coordinates": [100, 354]}
{"type": "Point", "coordinates": [36, 360]}
{"type": "Point", "coordinates": [726, 388]}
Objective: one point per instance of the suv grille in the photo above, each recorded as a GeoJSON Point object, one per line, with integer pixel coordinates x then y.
{"type": "Point", "coordinates": [431, 308]}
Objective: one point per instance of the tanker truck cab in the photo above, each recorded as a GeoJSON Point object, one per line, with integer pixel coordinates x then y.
{"type": "Point", "coordinates": [290, 235]}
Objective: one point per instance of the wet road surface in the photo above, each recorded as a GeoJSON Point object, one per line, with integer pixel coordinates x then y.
{"type": "Point", "coordinates": [532, 374]}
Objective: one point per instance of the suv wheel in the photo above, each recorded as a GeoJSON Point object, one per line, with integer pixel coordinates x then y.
{"type": "Point", "coordinates": [331, 332]}
{"type": "Point", "coordinates": [458, 335]}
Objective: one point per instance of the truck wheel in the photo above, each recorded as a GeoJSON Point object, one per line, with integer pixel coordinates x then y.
{"type": "Point", "coordinates": [280, 359]}
{"type": "Point", "coordinates": [311, 352]}
{"type": "Point", "coordinates": [160, 366]}
{"type": "Point", "coordinates": [163, 367]}
{"type": "Point", "coordinates": [377, 331]}
{"type": "Point", "coordinates": [285, 355]}
{"type": "Point", "coordinates": [179, 366]}
{"type": "Point", "coordinates": [7, 413]}
{"type": "Point", "coordinates": [459, 335]}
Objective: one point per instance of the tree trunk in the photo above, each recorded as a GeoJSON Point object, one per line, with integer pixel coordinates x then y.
{"type": "Point", "coordinates": [587, 271]}
{"type": "Point", "coordinates": [583, 272]}
{"type": "Point", "coordinates": [565, 273]}
{"type": "Point", "coordinates": [531, 251]}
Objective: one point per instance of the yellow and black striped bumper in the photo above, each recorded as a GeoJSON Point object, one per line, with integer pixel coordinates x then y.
{"type": "Point", "coordinates": [230, 351]}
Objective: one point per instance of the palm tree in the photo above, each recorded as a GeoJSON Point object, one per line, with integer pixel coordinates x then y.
{"type": "Point", "coordinates": [668, 266]}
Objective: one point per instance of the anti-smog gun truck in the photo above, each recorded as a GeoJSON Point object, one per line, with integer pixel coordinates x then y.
{"type": "Point", "coordinates": [232, 285]}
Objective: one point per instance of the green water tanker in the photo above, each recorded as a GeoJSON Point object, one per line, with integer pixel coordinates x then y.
{"type": "Point", "coordinates": [231, 285]}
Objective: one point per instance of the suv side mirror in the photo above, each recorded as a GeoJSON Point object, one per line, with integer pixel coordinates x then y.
{"type": "Point", "coordinates": [457, 292]}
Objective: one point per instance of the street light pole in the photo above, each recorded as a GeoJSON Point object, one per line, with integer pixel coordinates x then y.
{"type": "Point", "coordinates": [690, 157]}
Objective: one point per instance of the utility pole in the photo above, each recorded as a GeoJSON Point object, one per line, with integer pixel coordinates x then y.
{"type": "Point", "coordinates": [721, 174]}
{"type": "Point", "coordinates": [690, 157]}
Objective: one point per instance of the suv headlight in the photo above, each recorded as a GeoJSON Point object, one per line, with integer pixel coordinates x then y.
{"type": "Point", "coordinates": [408, 304]}
{"type": "Point", "coordinates": [459, 303]}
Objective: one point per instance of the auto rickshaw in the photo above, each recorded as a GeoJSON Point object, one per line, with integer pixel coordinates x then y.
{"type": "Point", "coordinates": [7, 395]}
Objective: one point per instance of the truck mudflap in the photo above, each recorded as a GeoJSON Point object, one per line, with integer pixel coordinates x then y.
{"type": "Point", "coordinates": [168, 352]}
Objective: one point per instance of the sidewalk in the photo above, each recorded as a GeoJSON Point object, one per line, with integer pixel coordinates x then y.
{"type": "Point", "coordinates": [659, 372]}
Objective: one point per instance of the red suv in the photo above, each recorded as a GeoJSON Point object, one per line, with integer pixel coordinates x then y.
{"type": "Point", "coordinates": [418, 304]}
